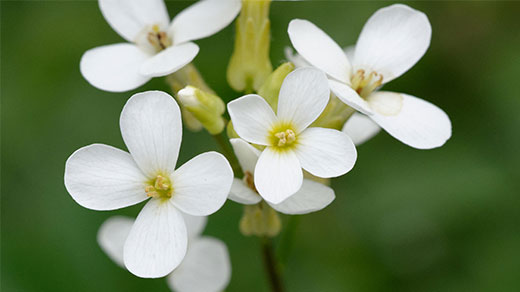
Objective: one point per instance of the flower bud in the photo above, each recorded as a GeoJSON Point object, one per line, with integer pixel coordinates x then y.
{"type": "Point", "coordinates": [260, 220]}
{"type": "Point", "coordinates": [206, 107]}
{"type": "Point", "coordinates": [250, 65]}
{"type": "Point", "coordinates": [271, 87]}
{"type": "Point", "coordinates": [188, 75]}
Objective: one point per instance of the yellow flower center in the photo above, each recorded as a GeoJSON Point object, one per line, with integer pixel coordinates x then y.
{"type": "Point", "coordinates": [159, 187]}
{"type": "Point", "coordinates": [364, 84]}
{"type": "Point", "coordinates": [285, 138]}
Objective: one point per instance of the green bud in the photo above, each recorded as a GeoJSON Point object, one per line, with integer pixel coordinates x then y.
{"type": "Point", "coordinates": [260, 220]}
{"type": "Point", "coordinates": [230, 131]}
{"type": "Point", "coordinates": [335, 114]}
{"type": "Point", "coordinates": [271, 87]}
{"type": "Point", "coordinates": [206, 107]}
{"type": "Point", "coordinates": [188, 75]}
{"type": "Point", "coordinates": [250, 65]}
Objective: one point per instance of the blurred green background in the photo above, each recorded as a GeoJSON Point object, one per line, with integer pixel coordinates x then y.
{"type": "Point", "coordinates": [404, 219]}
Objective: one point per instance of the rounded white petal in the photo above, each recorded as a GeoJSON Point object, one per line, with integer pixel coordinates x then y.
{"type": "Point", "coordinates": [201, 185]}
{"type": "Point", "coordinates": [360, 128]}
{"type": "Point", "coordinates": [311, 197]}
{"type": "Point", "coordinates": [392, 41]}
{"type": "Point", "coordinates": [112, 235]}
{"type": "Point", "coordinates": [418, 123]}
{"type": "Point", "coordinates": [114, 67]}
{"type": "Point", "coordinates": [152, 130]}
{"type": "Point", "coordinates": [194, 224]}
{"type": "Point", "coordinates": [278, 175]}
{"type": "Point", "coordinates": [203, 19]}
{"type": "Point", "coordinates": [157, 241]}
{"type": "Point", "coordinates": [169, 60]}
{"type": "Point", "coordinates": [303, 97]}
{"type": "Point", "coordinates": [129, 17]}
{"type": "Point", "coordinates": [206, 268]}
{"type": "Point", "coordinates": [101, 177]}
{"type": "Point", "coordinates": [246, 153]}
{"type": "Point", "coordinates": [326, 152]}
{"type": "Point", "coordinates": [349, 96]}
{"type": "Point", "coordinates": [295, 58]}
{"type": "Point", "coordinates": [319, 49]}
{"type": "Point", "coordinates": [252, 118]}
{"type": "Point", "coordinates": [242, 194]}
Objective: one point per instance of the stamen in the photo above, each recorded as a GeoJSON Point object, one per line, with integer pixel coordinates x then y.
{"type": "Point", "coordinates": [364, 85]}
{"type": "Point", "coordinates": [285, 138]}
{"type": "Point", "coordinates": [160, 187]}
{"type": "Point", "coordinates": [250, 181]}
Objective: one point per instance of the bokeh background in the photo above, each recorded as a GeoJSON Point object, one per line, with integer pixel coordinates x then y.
{"type": "Point", "coordinates": [404, 219]}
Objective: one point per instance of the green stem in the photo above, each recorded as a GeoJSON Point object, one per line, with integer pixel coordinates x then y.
{"type": "Point", "coordinates": [271, 265]}
{"type": "Point", "coordinates": [223, 142]}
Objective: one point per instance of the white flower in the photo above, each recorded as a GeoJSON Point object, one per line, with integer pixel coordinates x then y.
{"type": "Point", "coordinates": [311, 197]}
{"type": "Point", "coordinates": [206, 267]}
{"type": "Point", "coordinates": [290, 144]}
{"type": "Point", "coordinates": [101, 177]}
{"type": "Point", "coordinates": [155, 47]}
{"type": "Point", "coordinates": [391, 42]}
{"type": "Point", "coordinates": [358, 127]}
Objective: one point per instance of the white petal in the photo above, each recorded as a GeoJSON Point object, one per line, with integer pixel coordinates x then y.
{"type": "Point", "coordinates": [194, 224]}
{"type": "Point", "coordinates": [169, 60]}
{"type": "Point", "coordinates": [326, 152]}
{"type": "Point", "coordinates": [392, 41]}
{"type": "Point", "coordinates": [203, 19]}
{"type": "Point", "coordinates": [101, 177]}
{"type": "Point", "coordinates": [129, 17]}
{"type": "Point", "coordinates": [151, 127]}
{"type": "Point", "coordinates": [349, 96]}
{"type": "Point", "coordinates": [201, 185]}
{"type": "Point", "coordinates": [114, 67]}
{"type": "Point", "coordinates": [303, 96]}
{"type": "Point", "coordinates": [252, 118]}
{"type": "Point", "coordinates": [247, 154]}
{"type": "Point", "coordinates": [112, 235]}
{"type": "Point", "coordinates": [312, 197]}
{"type": "Point", "coordinates": [360, 128]}
{"type": "Point", "coordinates": [319, 49]}
{"type": "Point", "coordinates": [242, 194]}
{"type": "Point", "coordinates": [295, 58]}
{"type": "Point", "coordinates": [418, 124]}
{"type": "Point", "coordinates": [157, 242]}
{"type": "Point", "coordinates": [206, 268]}
{"type": "Point", "coordinates": [278, 175]}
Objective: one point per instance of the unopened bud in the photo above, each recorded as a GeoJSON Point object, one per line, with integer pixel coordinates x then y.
{"type": "Point", "coordinates": [206, 107]}
{"type": "Point", "coordinates": [260, 220]}
{"type": "Point", "coordinates": [335, 114]}
{"type": "Point", "coordinates": [250, 64]}
{"type": "Point", "coordinates": [272, 84]}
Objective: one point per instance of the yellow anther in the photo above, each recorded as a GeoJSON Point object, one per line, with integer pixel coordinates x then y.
{"type": "Point", "coordinates": [286, 137]}
{"type": "Point", "coordinates": [160, 187]}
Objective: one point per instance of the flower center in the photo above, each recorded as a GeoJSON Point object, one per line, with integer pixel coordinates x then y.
{"type": "Point", "coordinates": [160, 187]}
{"type": "Point", "coordinates": [364, 84]}
{"type": "Point", "coordinates": [153, 40]}
{"type": "Point", "coordinates": [285, 138]}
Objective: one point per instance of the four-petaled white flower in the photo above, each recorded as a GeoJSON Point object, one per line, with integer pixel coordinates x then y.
{"type": "Point", "coordinates": [358, 127]}
{"type": "Point", "coordinates": [391, 42]}
{"type": "Point", "coordinates": [289, 144]}
{"type": "Point", "coordinates": [156, 48]}
{"type": "Point", "coordinates": [205, 268]}
{"type": "Point", "coordinates": [101, 177]}
{"type": "Point", "coordinates": [311, 197]}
